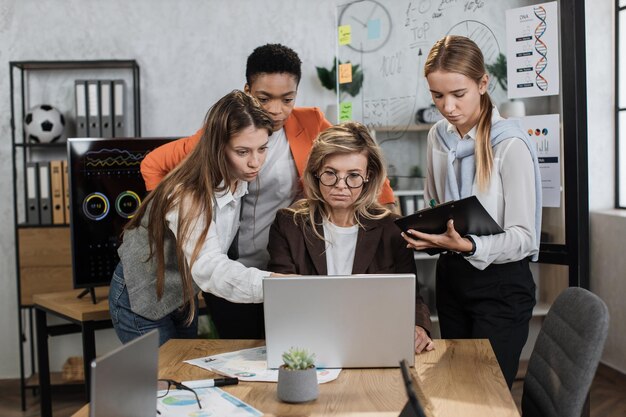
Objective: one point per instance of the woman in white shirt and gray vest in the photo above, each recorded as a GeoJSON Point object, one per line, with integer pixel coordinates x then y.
{"type": "Point", "coordinates": [484, 285]}
{"type": "Point", "coordinates": [177, 242]}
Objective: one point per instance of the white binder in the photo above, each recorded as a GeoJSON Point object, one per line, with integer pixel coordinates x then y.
{"type": "Point", "coordinates": [32, 193]}
{"type": "Point", "coordinates": [81, 108]}
{"type": "Point", "coordinates": [45, 197]}
{"type": "Point", "coordinates": [119, 109]}
{"type": "Point", "coordinates": [93, 109]}
{"type": "Point", "coordinates": [106, 108]}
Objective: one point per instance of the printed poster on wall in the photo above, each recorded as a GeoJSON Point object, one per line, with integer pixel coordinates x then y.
{"type": "Point", "coordinates": [533, 50]}
{"type": "Point", "coordinates": [544, 132]}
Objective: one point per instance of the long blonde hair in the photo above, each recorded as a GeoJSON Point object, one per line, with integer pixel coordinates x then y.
{"type": "Point", "coordinates": [195, 181]}
{"type": "Point", "coordinates": [342, 139]}
{"type": "Point", "coordinates": [461, 55]}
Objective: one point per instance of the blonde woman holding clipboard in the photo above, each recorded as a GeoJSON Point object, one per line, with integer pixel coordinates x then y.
{"type": "Point", "coordinates": [484, 285]}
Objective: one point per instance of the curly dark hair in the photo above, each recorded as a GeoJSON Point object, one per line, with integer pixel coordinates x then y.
{"type": "Point", "coordinates": [271, 59]}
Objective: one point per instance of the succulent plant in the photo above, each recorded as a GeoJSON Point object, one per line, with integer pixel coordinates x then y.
{"type": "Point", "coordinates": [296, 358]}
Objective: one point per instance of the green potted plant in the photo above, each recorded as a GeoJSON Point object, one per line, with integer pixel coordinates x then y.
{"type": "Point", "coordinates": [297, 377]}
{"type": "Point", "coordinates": [498, 71]}
{"type": "Point", "coordinates": [416, 171]}
{"type": "Point", "coordinates": [328, 79]}
{"type": "Point", "coordinates": [416, 178]}
{"type": "Point", "coordinates": [509, 108]}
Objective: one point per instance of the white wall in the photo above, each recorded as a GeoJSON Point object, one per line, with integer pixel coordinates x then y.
{"type": "Point", "coordinates": [608, 269]}
{"type": "Point", "coordinates": [600, 102]}
{"type": "Point", "coordinates": [190, 52]}
{"type": "Point", "coordinates": [607, 264]}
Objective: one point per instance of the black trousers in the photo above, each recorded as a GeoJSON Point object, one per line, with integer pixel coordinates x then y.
{"type": "Point", "coordinates": [235, 320]}
{"type": "Point", "coordinates": [495, 303]}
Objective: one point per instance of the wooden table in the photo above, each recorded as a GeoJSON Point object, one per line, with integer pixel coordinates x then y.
{"type": "Point", "coordinates": [459, 378]}
{"type": "Point", "coordinates": [85, 317]}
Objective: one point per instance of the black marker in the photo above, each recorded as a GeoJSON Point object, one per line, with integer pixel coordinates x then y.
{"type": "Point", "coordinates": [208, 383]}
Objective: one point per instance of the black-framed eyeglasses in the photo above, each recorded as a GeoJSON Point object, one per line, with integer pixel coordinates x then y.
{"type": "Point", "coordinates": [352, 180]}
{"type": "Point", "coordinates": [166, 384]}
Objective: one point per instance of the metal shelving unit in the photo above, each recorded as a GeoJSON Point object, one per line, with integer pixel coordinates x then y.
{"type": "Point", "coordinates": [21, 75]}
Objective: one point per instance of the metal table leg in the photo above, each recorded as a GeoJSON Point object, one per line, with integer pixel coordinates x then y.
{"type": "Point", "coordinates": [43, 362]}
{"type": "Point", "coordinates": [89, 353]}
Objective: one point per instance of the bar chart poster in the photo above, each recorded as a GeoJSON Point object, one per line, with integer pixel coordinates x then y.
{"type": "Point", "coordinates": [544, 132]}
{"type": "Point", "coordinates": [533, 50]}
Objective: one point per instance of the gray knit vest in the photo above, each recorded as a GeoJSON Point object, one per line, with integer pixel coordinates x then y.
{"type": "Point", "coordinates": [140, 274]}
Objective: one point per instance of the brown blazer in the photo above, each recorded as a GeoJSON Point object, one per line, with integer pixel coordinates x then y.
{"type": "Point", "coordinates": [295, 249]}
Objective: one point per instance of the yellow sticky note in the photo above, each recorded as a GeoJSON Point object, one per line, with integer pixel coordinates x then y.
{"type": "Point", "coordinates": [345, 35]}
{"type": "Point", "coordinates": [345, 73]}
{"type": "Point", "coordinates": [345, 111]}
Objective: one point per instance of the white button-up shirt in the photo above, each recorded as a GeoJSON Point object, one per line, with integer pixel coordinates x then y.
{"type": "Point", "coordinates": [276, 187]}
{"type": "Point", "coordinates": [213, 271]}
{"type": "Point", "coordinates": [509, 198]}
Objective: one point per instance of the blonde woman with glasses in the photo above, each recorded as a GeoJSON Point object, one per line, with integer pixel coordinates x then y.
{"type": "Point", "coordinates": [340, 228]}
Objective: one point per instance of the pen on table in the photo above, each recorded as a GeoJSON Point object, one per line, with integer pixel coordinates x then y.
{"type": "Point", "coordinates": [432, 203]}
{"type": "Point", "coordinates": [207, 383]}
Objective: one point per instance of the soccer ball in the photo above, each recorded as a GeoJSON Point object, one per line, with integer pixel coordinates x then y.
{"type": "Point", "coordinates": [44, 124]}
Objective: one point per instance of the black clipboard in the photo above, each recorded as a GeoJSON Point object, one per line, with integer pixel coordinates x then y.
{"type": "Point", "coordinates": [470, 218]}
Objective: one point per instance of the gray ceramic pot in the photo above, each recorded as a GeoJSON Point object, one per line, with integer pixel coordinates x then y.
{"type": "Point", "coordinates": [297, 386]}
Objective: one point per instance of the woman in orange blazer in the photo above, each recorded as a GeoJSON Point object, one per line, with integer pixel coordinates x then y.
{"type": "Point", "coordinates": [272, 73]}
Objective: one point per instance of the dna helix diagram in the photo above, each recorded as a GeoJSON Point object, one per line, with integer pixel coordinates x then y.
{"type": "Point", "coordinates": [541, 48]}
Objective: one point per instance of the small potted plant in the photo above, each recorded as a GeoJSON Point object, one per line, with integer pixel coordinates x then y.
{"type": "Point", "coordinates": [509, 108]}
{"type": "Point", "coordinates": [416, 178]}
{"type": "Point", "coordinates": [498, 70]}
{"type": "Point", "coordinates": [328, 79]}
{"type": "Point", "coordinates": [297, 377]}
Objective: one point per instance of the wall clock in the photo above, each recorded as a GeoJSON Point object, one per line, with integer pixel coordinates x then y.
{"type": "Point", "coordinates": [370, 24]}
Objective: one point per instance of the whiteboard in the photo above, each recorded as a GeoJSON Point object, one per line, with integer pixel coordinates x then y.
{"type": "Point", "coordinates": [390, 41]}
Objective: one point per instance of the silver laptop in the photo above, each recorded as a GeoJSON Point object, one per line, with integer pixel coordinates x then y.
{"type": "Point", "coordinates": [357, 321]}
{"type": "Point", "coordinates": [124, 381]}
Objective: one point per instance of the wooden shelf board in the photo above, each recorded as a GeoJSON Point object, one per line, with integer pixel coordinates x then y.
{"type": "Point", "coordinates": [423, 127]}
{"type": "Point", "coordinates": [403, 193]}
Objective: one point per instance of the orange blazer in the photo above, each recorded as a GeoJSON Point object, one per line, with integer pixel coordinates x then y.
{"type": "Point", "coordinates": [301, 129]}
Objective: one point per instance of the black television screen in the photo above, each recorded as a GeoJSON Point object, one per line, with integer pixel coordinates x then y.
{"type": "Point", "coordinates": [106, 189]}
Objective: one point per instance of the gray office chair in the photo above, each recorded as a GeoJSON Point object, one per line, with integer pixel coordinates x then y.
{"type": "Point", "coordinates": [566, 355]}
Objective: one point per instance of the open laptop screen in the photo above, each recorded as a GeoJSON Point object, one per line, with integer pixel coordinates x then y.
{"type": "Point", "coordinates": [124, 381]}
{"type": "Point", "coordinates": [356, 321]}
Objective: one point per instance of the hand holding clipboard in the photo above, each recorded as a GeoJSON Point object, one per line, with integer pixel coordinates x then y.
{"type": "Point", "coordinates": [468, 215]}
